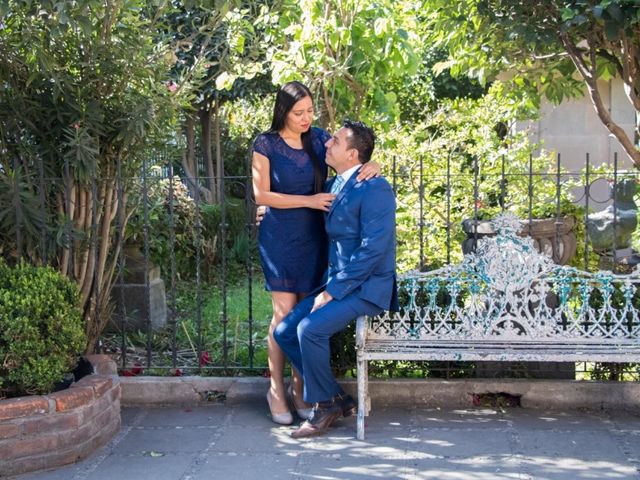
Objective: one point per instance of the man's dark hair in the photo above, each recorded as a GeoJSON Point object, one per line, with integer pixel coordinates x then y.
{"type": "Point", "coordinates": [361, 138]}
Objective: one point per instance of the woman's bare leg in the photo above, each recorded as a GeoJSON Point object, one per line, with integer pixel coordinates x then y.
{"type": "Point", "coordinates": [282, 302]}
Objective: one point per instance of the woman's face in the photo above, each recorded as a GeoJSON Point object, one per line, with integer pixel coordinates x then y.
{"type": "Point", "coordinates": [300, 116]}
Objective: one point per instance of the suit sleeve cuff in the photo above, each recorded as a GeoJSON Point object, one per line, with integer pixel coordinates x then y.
{"type": "Point", "coordinates": [334, 291]}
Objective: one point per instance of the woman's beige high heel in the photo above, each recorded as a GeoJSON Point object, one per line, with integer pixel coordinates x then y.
{"type": "Point", "coordinates": [305, 412]}
{"type": "Point", "coordinates": [284, 418]}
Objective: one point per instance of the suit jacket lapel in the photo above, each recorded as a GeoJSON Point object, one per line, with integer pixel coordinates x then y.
{"type": "Point", "coordinates": [347, 186]}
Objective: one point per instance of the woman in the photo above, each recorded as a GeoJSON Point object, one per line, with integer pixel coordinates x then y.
{"type": "Point", "coordinates": [289, 172]}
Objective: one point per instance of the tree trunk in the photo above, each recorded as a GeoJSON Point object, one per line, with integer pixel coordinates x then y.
{"type": "Point", "coordinates": [190, 161]}
{"type": "Point", "coordinates": [219, 160]}
{"type": "Point", "coordinates": [89, 257]}
{"type": "Point", "coordinates": [189, 157]}
{"type": "Point", "coordinates": [207, 157]}
{"type": "Point", "coordinates": [328, 106]}
{"type": "Point", "coordinates": [588, 72]}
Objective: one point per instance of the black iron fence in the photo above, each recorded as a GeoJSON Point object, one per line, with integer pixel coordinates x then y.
{"type": "Point", "coordinates": [185, 292]}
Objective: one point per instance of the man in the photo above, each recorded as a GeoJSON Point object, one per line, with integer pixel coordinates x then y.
{"type": "Point", "coordinates": [361, 278]}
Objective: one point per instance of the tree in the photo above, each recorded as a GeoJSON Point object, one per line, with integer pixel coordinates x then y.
{"type": "Point", "coordinates": [84, 95]}
{"type": "Point", "coordinates": [556, 48]}
{"type": "Point", "coordinates": [230, 55]}
{"type": "Point", "coordinates": [351, 54]}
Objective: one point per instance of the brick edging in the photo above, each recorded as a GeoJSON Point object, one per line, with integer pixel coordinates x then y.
{"type": "Point", "coordinates": [46, 431]}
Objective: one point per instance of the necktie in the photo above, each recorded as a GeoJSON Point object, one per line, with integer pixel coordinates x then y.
{"type": "Point", "coordinates": [337, 184]}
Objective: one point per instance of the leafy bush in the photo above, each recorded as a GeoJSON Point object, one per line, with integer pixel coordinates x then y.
{"type": "Point", "coordinates": [187, 238]}
{"type": "Point", "coordinates": [160, 222]}
{"type": "Point", "coordinates": [435, 162]}
{"type": "Point", "coordinates": [41, 329]}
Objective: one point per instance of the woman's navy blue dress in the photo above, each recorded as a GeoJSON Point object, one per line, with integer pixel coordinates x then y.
{"type": "Point", "coordinates": [292, 241]}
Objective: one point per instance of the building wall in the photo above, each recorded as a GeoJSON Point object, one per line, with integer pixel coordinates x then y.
{"type": "Point", "coordinates": [573, 129]}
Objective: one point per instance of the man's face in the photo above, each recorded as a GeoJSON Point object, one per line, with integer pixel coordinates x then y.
{"type": "Point", "coordinates": [339, 155]}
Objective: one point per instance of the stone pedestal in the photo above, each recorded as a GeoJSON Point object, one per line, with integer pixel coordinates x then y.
{"type": "Point", "coordinates": [141, 304]}
{"type": "Point", "coordinates": [625, 261]}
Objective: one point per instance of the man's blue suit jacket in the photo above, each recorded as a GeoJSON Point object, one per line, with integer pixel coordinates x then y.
{"type": "Point", "coordinates": [361, 225]}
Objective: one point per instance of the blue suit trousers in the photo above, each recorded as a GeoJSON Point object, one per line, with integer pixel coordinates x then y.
{"type": "Point", "coordinates": [304, 337]}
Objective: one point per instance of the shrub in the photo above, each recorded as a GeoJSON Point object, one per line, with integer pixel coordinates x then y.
{"type": "Point", "coordinates": [41, 329]}
{"type": "Point", "coordinates": [186, 237]}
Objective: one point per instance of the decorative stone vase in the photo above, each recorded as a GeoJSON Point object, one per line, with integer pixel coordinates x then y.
{"type": "Point", "coordinates": [45, 431]}
{"type": "Point", "coordinates": [556, 239]}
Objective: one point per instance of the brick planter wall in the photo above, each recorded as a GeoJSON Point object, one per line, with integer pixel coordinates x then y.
{"type": "Point", "coordinates": [46, 431]}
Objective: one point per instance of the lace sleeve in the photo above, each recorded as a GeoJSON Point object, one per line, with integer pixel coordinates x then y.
{"type": "Point", "coordinates": [262, 145]}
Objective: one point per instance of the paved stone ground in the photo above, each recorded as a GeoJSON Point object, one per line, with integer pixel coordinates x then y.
{"type": "Point", "coordinates": [239, 441]}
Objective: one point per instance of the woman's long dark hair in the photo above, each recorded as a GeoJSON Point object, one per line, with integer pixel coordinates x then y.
{"type": "Point", "coordinates": [288, 95]}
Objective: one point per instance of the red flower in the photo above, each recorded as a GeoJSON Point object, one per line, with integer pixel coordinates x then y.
{"type": "Point", "coordinates": [132, 372]}
{"type": "Point", "coordinates": [205, 359]}
{"type": "Point", "coordinates": [177, 373]}
{"type": "Point", "coordinates": [172, 87]}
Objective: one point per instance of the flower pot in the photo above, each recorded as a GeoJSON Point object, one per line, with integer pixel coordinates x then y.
{"type": "Point", "coordinates": [553, 237]}
{"type": "Point", "coordinates": [44, 431]}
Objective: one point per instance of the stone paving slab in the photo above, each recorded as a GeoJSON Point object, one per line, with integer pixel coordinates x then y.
{"type": "Point", "coordinates": [566, 467]}
{"type": "Point", "coordinates": [182, 417]}
{"type": "Point", "coordinates": [240, 441]}
{"type": "Point", "coordinates": [248, 467]}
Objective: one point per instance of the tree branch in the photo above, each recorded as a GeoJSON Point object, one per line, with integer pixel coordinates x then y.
{"type": "Point", "coordinates": [630, 71]}
{"type": "Point", "coordinates": [590, 79]}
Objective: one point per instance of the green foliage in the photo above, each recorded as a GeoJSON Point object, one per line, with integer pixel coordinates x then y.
{"type": "Point", "coordinates": [41, 329]}
{"type": "Point", "coordinates": [422, 93]}
{"type": "Point", "coordinates": [204, 317]}
{"type": "Point", "coordinates": [83, 97]}
{"type": "Point", "coordinates": [239, 335]}
{"type": "Point", "coordinates": [490, 37]}
{"type": "Point", "coordinates": [245, 118]}
{"type": "Point", "coordinates": [444, 151]}
{"type": "Point", "coordinates": [22, 213]}
{"type": "Point", "coordinates": [220, 43]}
{"type": "Point", "coordinates": [561, 53]}
{"type": "Point", "coordinates": [178, 226]}
{"type": "Point", "coordinates": [351, 53]}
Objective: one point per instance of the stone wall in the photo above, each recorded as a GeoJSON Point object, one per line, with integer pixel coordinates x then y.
{"type": "Point", "coordinates": [46, 431]}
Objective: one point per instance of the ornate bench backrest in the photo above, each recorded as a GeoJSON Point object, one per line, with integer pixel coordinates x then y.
{"type": "Point", "coordinates": [508, 291]}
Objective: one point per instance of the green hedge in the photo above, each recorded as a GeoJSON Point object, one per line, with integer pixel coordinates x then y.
{"type": "Point", "coordinates": [41, 329]}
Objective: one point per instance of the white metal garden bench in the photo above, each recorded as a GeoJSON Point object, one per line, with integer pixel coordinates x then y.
{"type": "Point", "coordinates": [505, 302]}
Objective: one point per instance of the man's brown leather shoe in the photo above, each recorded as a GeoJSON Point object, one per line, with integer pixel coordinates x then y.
{"type": "Point", "coordinates": [322, 417]}
{"type": "Point", "coordinates": [348, 405]}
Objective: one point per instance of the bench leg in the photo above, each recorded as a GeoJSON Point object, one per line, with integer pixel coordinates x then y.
{"type": "Point", "coordinates": [363, 395]}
